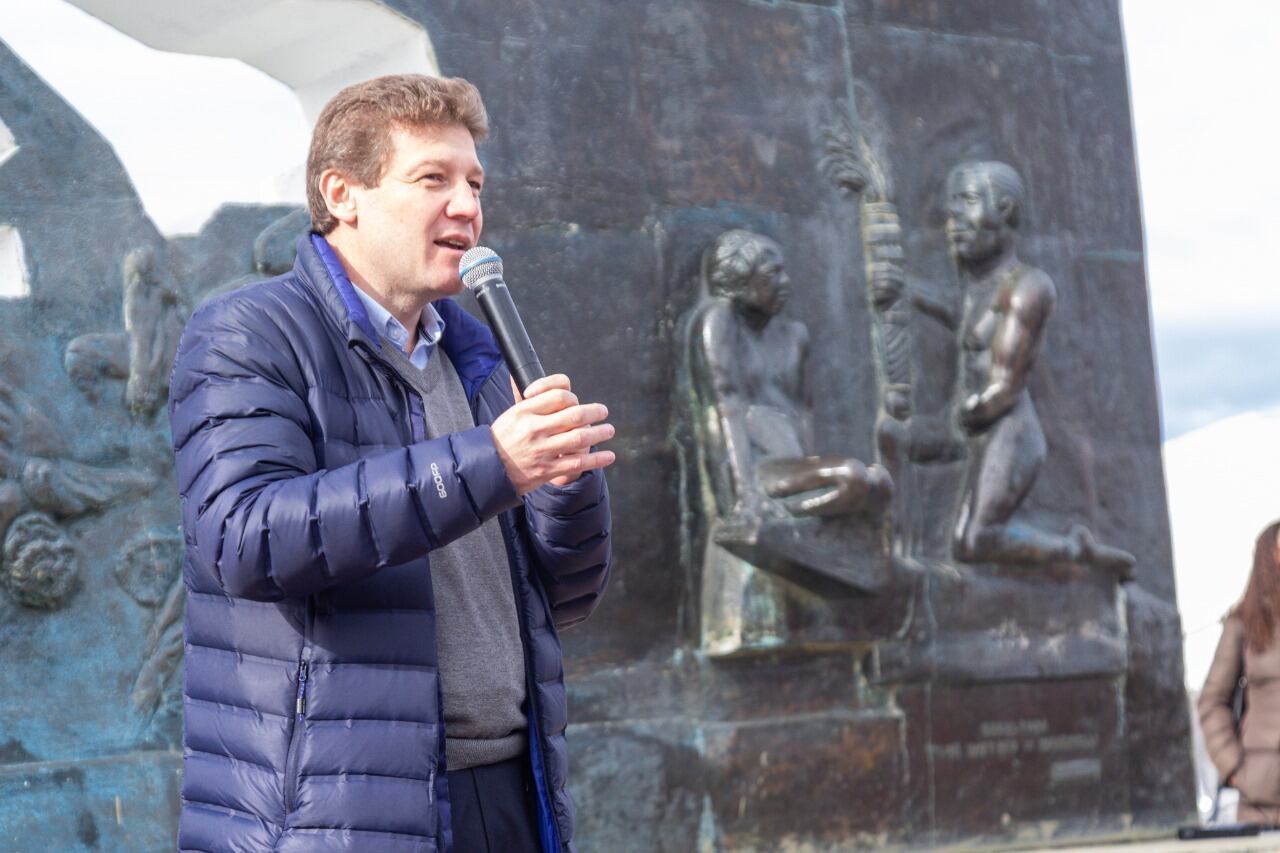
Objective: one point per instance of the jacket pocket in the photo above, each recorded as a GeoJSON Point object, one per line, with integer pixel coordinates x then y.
{"type": "Point", "coordinates": [1258, 779]}
{"type": "Point", "coordinates": [295, 739]}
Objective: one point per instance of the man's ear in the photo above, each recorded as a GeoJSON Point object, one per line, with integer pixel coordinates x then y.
{"type": "Point", "coordinates": [338, 195]}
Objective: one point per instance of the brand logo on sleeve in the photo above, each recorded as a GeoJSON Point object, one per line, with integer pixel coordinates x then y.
{"type": "Point", "coordinates": [439, 480]}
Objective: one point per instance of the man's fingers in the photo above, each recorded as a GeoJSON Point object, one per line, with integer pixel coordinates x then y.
{"type": "Point", "coordinates": [548, 435]}
{"type": "Point", "coordinates": [538, 386]}
{"type": "Point", "coordinates": [549, 402]}
{"type": "Point", "coordinates": [574, 417]}
{"type": "Point", "coordinates": [578, 440]}
{"type": "Point", "coordinates": [578, 463]}
{"type": "Point", "coordinates": [547, 383]}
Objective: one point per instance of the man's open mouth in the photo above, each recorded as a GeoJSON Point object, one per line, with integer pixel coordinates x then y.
{"type": "Point", "coordinates": [460, 245]}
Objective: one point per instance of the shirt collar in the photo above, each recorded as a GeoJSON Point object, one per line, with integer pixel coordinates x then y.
{"type": "Point", "coordinates": [430, 328]}
{"type": "Point", "coordinates": [430, 325]}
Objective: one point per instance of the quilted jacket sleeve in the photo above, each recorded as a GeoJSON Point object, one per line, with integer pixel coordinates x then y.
{"type": "Point", "coordinates": [570, 527]}
{"type": "Point", "coordinates": [261, 519]}
{"type": "Point", "coordinates": [1214, 705]}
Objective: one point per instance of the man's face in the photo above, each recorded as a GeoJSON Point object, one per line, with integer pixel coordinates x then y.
{"type": "Point", "coordinates": [974, 222]}
{"type": "Point", "coordinates": [769, 286]}
{"type": "Point", "coordinates": [413, 228]}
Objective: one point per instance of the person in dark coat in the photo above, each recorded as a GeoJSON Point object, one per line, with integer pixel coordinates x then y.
{"type": "Point", "coordinates": [382, 540]}
{"type": "Point", "coordinates": [1247, 754]}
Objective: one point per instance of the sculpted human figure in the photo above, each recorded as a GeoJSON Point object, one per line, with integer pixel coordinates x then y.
{"type": "Point", "coordinates": [1007, 305]}
{"type": "Point", "coordinates": [763, 497]}
{"type": "Point", "coordinates": [748, 369]}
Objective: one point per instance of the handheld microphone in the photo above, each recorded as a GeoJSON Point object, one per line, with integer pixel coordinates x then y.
{"type": "Point", "coordinates": [481, 271]}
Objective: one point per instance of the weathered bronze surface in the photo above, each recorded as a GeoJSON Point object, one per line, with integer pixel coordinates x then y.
{"type": "Point", "coordinates": [790, 653]}
{"type": "Point", "coordinates": [91, 600]}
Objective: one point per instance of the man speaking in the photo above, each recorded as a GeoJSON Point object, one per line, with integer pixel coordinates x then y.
{"type": "Point", "coordinates": [381, 541]}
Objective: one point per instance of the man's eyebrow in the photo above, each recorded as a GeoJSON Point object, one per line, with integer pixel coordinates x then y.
{"type": "Point", "coordinates": [443, 164]}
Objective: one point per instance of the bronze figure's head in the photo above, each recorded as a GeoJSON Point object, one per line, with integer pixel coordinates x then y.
{"type": "Point", "coordinates": [984, 202]}
{"type": "Point", "coordinates": [748, 269]}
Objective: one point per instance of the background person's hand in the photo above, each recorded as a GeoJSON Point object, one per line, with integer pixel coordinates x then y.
{"type": "Point", "coordinates": [547, 436]}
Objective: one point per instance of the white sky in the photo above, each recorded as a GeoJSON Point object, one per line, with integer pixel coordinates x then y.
{"type": "Point", "coordinates": [1204, 79]}
{"type": "Point", "coordinates": [195, 132]}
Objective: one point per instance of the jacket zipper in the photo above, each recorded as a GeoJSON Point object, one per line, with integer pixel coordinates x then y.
{"type": "Point", "coordinates": [293, 757]}
{"type": "Point", "coordinates": [407, 396]}
{"type": "Point", "coordinates": [510, 534]}
{"type": "Point", "coordinates": [295, 738]}
{"type": "Point", "coordinates": [509, 537]}
{"type": "Point", "coordinates": [300, 707]}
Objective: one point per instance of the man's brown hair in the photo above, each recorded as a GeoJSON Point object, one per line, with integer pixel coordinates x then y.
{"type": "Point", "coordinates": [353, 132]}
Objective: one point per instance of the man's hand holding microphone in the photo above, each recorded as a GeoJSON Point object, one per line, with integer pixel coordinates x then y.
{"type": "Point", "coordinates": [547, 436]}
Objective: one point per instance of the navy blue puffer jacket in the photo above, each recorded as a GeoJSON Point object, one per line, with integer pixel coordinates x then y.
{"type": "Point", "coordinates": [312, 699]}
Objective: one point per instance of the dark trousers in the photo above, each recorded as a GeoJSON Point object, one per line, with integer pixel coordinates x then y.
{"type": "Point", "coordinates": [494, 809]}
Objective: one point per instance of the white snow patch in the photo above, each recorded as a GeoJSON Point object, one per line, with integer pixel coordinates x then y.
{"type": "Point", "coordinates": [1222, 492]}
{"type": "Point", "coordinates": [14, 283]}
{"type": "Point", "coordinates": [8, 145]}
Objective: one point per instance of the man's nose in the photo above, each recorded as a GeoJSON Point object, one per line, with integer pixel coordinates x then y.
{"type": "Point", "coordinates": [463, 202]}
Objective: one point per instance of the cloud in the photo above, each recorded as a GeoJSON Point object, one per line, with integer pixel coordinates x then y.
{"type": "Point", "coordinates": [1205, 137]}
{"type": "Point", "coordinates": [1212, 371]}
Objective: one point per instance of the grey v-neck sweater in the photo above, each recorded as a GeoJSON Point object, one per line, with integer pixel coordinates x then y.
{"type": "Point", "coordinates": [481, 661]}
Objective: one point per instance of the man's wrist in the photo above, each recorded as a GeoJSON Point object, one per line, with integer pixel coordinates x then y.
{"type": "Point", "coordinates": [487, 479]}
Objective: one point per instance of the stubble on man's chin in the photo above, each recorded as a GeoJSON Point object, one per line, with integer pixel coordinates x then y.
{"type": "Point", "coordinates": [449, 290]}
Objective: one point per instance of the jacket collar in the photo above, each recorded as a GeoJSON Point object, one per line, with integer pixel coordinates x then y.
{"type": "Point", "coordinates": [469, 344]}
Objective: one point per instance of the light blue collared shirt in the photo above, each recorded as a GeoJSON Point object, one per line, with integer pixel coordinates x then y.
{"type": "Point", "coordinates": [430, 328]}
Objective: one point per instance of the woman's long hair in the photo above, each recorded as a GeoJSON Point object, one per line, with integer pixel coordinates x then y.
{"type": "Point", "coordinates": [1260, 607]}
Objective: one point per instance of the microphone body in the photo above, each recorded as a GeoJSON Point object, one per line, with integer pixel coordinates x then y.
{"type": "Point", "coordinates": [481, 271]}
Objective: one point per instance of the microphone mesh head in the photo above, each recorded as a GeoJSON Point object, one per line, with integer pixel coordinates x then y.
{"type": "Point", "coordinates": [478, 264]}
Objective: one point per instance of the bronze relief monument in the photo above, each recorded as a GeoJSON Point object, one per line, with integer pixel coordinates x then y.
{"type": "Point", "coordinates": [1006, 605]}
{"type": "Point", "coordinates": [774, 516]}
{"type": "Point", "coordinates": [892, 559]}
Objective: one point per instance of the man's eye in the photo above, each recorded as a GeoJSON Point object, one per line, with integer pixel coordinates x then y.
{"type": "Point", "coordinates": [477, 186]}
{"type": "Point", "coordinates": [432, 178]}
